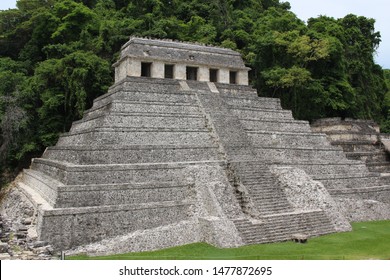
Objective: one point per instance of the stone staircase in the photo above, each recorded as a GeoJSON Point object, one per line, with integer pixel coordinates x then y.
{"type": "Point", "coordinates": [282, 227]}
{"type": "Point", "coordinates": [264, 191]}
{"type": "Point", "coordinates": [276, 220]}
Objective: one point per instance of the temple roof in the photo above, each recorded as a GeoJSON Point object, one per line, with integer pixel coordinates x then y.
{"type": "Point", "coordinates": [180, 52]}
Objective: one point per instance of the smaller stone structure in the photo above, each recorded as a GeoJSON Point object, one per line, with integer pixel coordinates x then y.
{"type": "Point", "coordinates": [359, 139]}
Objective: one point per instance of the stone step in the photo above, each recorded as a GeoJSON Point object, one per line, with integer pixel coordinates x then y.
{"type": "Point", "coordinates": [146, 89]}
{"type": "Point", "coordinates": [154, 107]}
{"type": "Point", "coordinates": [263, 183]}
{"type": "Point", "coordinates": [167, 98]}
{"type": "Point", "coordinates": [46, 186]}
{"type": "Point", "coordinates": [101, 109]}
{"type": "Point", "coordinates": [282, 230]}
{"type": "Point", "coordinates": [75, 226]}
{"type": "Point", "coordinates": [270, 204]}
{"type": "Point", "coordinates": [338, 182]}
{"type": "Point", "coordinates": [266, 194]}
{"type": "Point", "coordinates": [382, 167]}
{"type": "Point", "coordinates": [127, 193]}
{"type": "Point", "coordinates": [262, 114]}
{"type": "Point", "coordinates": [235, 103]}
{"type": "Point", "coordinates": [368, 156]}
{"type": "Point", "coordinates": [348, 136]}
{"type": "Point", "coordinates": [289, 139]}
{"type": "Point", "coordinates": [271, 209]}
{"type": "Point", "coordinates": [237, 91]}
{"type": "Point", "coordinates": [257, 182]}
{"type": "Point", "coordinates": [250, 165]}
{"type": "Point", "coordinates": [278, 199]}
{"type": "Point", "coordinates": [60, 196]}
{"type": "Point", "coordinates": [258, 173]}
{"type": "Point", "coordinates": [265, 201]}
{"type": "Point", "coordinates": [263, 189]}
{"type": "Point", "coordinates": [275, 125]}
{"type": "Point", "coordinates": [248, 98]}
{"type": "Point", "coordinates": [125, 136]}
{"type": "Point", "coordinates": [131, 154]}
{"type": "Point", "coordinates": [269, 153]}
{"type": "Point", "coordinates": [71, 174]}
{"type": "Point", "coordinates": [318, 169]}
{"type": "Point", "coordinates": [356, 146]}
{"type": "Point", "coordinates": [339, 124]}
{"type": "Point", "coordinates": [285, 235]}
{"type": "Point", "coordinates": [372, 193]}
{"type": "Point", "coordinates": [144, 84]}
{"type": "Point", "coordinates": [281, 227]}
{"type": "Point", "coordinates": [146, 121]}
{"type": "Point", "coordinates": [124, 106]}
{"type": "Point", "coordinates": [249, 179]}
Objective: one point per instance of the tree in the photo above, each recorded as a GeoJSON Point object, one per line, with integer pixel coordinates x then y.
{"type": "Point", "coordinates": [385, 125]}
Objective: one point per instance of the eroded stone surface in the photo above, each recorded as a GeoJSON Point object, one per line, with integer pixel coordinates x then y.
{"type": "Point", "coordinates": [19, 240]}
{"type": "Point", "coordinates": [306, 194]}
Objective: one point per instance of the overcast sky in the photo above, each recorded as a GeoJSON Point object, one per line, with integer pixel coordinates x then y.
{"type": "Point", "coordinates": [377, 9]}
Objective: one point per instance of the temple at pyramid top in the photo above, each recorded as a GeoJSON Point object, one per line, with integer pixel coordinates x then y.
{"type": "Point", "coordinates": [181, 61]}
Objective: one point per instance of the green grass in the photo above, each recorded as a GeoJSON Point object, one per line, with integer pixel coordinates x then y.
{"type": "Point", "coordinates": [368, 240]}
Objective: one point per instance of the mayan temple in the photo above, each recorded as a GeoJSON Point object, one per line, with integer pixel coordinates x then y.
{"type": "Point", "coordinates": [181, 149]}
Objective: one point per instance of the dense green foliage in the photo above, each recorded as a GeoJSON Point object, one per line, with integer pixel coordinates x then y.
{"type": "Point", "coordinates": [56, 56]}
{"type": "Point", "coordinates": [386, 104]}
{"type": "Point", "coordinates": [368, 240]}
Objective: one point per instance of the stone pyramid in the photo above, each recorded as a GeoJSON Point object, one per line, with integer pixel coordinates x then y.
{"type": "Point", "coordinates": [181, 150]}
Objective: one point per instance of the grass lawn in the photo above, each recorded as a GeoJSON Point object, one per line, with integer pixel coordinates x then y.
{"type": "Point", "coordinates": [368, 240]}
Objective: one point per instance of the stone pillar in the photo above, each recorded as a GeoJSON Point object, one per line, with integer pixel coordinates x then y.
{"type": "Point", "coordinates": [223, 76]}
{"type": "Point", "coordinates": [133, 67]}
{"type": "Point", "coordinates": [203, 74]}
{"type": "Point", "coordinates": [180, 72]}
{"type": "Point", "coordinates": [158, 69]}
{"type": "Point", "coordinates": [118, 74]}
{"type": "Point", "coordinates": [242, 77]}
